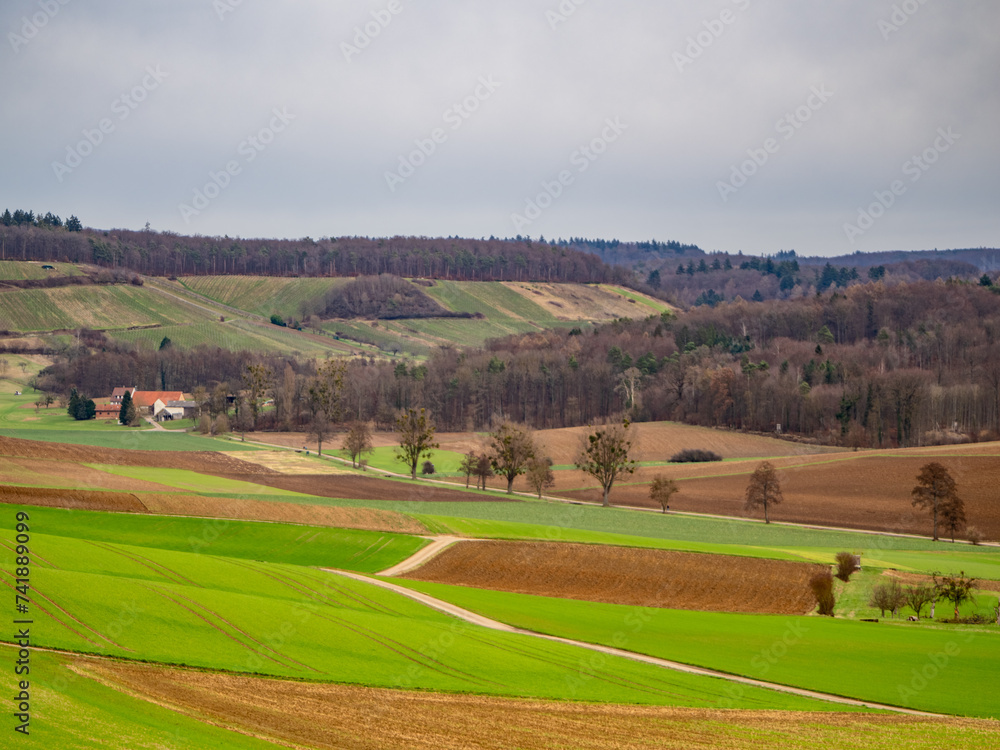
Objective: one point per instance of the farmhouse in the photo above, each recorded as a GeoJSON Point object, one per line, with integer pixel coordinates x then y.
{"type": "Point", "coordinates": [106, 410]}
{"type": "Point", "coordinates": [175, 410]}
{"type": "Point", "coordinates": [147, 402]}
{"type": "Point", "coordinates": [119, 393]}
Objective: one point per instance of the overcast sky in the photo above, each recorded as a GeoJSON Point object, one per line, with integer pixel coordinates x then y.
{"type": "Point", "coordinates": [732, 124]}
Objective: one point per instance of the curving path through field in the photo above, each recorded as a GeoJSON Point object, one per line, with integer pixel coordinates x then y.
{"type": "Point", "coordinates": [438, 544]}
{"type": "Point", "coordinates": [475, 619]}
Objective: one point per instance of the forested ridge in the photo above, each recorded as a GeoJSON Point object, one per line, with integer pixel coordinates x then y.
{"type": "Point", "coordinates": [168, 254]}
{"type": "Point", "coordinates": [873, 365]}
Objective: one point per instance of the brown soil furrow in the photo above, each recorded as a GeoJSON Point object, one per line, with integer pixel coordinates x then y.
{"type": "Point", "coordinates": [624, 575]}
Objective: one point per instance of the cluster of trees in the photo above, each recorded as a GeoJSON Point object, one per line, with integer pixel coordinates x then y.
{"type": "Point", "coordinates": [385, 297]}
{"type": "Point", "coordinates": [81, 408]}
{"type": "Point", "coordinates": [891, 596]}
{"type": "Point", "coordinates": [719, 277]}
{"type": "Point", "coordinates": [21, 218]}
{"type": "Point", "coordinates": [169, 254]}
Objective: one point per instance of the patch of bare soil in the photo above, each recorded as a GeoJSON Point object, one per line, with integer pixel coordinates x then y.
{"type": "Point", "coordinates": [208, 462]}
{"type": "Point", "coordinates": [75, 499]}
{"type": "Point", "coordinates": [626, 575]}
{"type": "Point", "coordinates": [368, 519]}
{"type": "Point", "coordinates": [167, 504]}
{"type": "Point", "coordinates": [359, 718]}
{"type": "Point", "coordinates": [845, 490]}
{"type": "Point", "coordinates": [352, 486]}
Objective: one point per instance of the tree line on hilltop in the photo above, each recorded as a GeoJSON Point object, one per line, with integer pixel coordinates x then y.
{"type": "Point", "coordinates": [873, 366]}
{"type": "Point", "coordinates": [170, 254]}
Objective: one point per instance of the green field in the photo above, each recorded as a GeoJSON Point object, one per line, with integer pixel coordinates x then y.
{"type": "Point", "coordinates": [446, 463]}
{"type": "Point", "coordinates": [17, 270]}
{"type": "Point", "coordinates": [208, 609]}
{"type": "Point", "coordinates": [97, 307]}
{"type": "Point", "coordinates": [290, 298]}
{"type": "Point", "coordinates": [817, 653]}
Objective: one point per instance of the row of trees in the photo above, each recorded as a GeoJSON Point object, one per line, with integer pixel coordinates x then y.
{"type": "Point", "coordinates": [169, 254]}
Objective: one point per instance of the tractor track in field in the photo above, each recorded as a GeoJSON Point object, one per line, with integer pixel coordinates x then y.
{"type": "Point", "coordinates": [475, 619]}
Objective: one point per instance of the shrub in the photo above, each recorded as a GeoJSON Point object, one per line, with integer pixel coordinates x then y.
{"type": "Point", "coordinates": [974, 535]}
{"type": "Point", "coordinates": [846, 565]}
{"type": "Point", "coordinates": [822, 588]}
{"type": "Point", "coordinates": [694, 456]}
{"type": "Point", "coordinates": [427, 469]}
{"type": "Point", "coordinates": [204, 424]}
{"type": "Point", "coordinates": [221, 425]}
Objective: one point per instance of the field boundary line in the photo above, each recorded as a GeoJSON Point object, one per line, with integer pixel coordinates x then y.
{"type": "Point", "coordinates": [486, 622]}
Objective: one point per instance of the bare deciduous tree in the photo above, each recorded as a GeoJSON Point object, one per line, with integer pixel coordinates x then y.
{"type": "Point", "coordinates": [416, 438]}
{"type": "Point", "coordinates": [764, 490]}
{"type": "Point", "coordinates": [935, 491]}
{"type": "Point", "coordinates": [918, 597]}
{"type": "Point", "coordinates": [605, 456]}
{"type": "Point", "coordinates": [539, 474]}
{"type": "Point", "coordinates": [888, 597]}
{"type": "Point", "coordinates": [661, 490]}
{"type": "Point", "coordinates": [512, 446]}
{"type": "Point", "coordinates": [956, 589]}
{"type": "Point", "coordinates": [358, 440]}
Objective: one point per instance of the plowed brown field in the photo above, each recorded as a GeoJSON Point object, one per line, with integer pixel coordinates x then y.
{"type": "Point", "coordinates": [208, 462]}
{"type": "Point", "coordinates": [624, 575]}
{"type": "Point", "coordinates": [337, 716]}
{"type": "Point", "coordinates": [654, 441]}
{"type": "Point", "coordinates": [214, 507]}
{"type": "Point", "coordinates": [849, 490]}
{"type": "Point", "coordinates": [75, 499]}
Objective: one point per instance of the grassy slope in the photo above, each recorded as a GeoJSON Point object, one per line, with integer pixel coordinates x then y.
{"type": "Point", "coordinates": [18, 270]}
{"type": "Point", "coordinates": [214, 612]}
{"type": "Point", "coordinates": [854, 659]}
{"type": "Point", "coordinates": [365, 551]}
